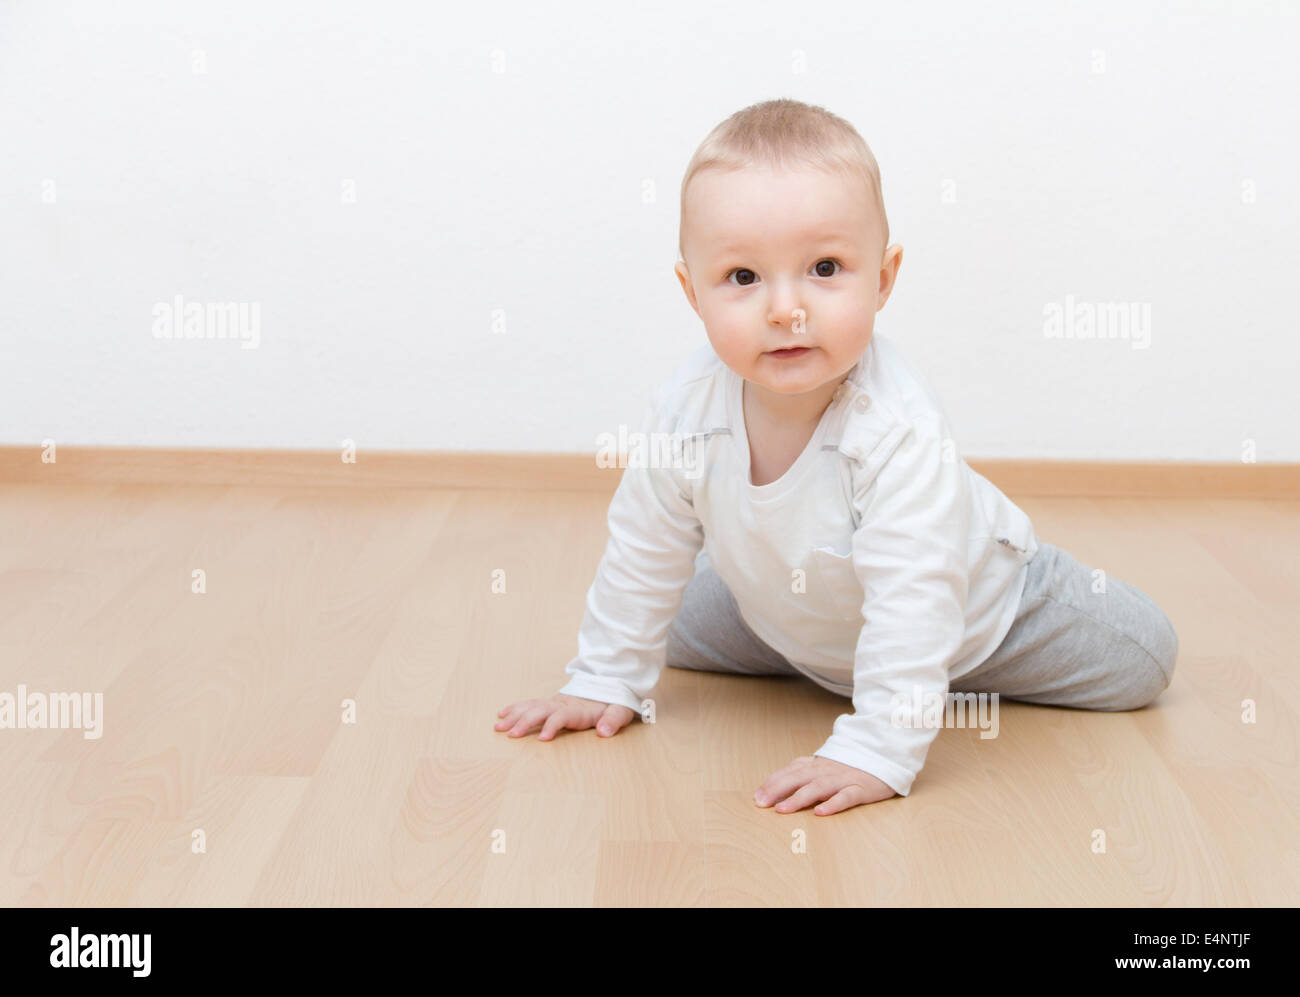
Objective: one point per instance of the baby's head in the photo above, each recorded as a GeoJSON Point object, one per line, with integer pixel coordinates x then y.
{"type": "Point", "coordinates": [784, 243]}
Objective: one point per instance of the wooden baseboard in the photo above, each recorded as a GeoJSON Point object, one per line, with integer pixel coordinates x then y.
{"type": "Point", "coordinates": [576, 472]}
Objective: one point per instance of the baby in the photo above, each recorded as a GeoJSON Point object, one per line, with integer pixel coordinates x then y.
{"type": "Point", "coordinates": [818, 519]}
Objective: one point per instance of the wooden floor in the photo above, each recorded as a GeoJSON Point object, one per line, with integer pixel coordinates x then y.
{"type": "Point", "coordinates": [223, 715]}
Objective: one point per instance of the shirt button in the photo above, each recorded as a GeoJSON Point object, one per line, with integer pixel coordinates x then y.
{"type": "Point", "coordinates": [862, 403]}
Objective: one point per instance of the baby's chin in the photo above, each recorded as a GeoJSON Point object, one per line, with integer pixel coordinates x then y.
{"type": "Point", "coordinates": [790, 382]}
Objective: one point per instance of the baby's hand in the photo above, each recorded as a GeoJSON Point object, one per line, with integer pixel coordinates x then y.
{"type": "Point", "coordinates": [561, 712]}
{"type": "Point", "coordinates": [809, 779]}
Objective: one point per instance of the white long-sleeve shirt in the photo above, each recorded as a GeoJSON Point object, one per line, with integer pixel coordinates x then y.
{"type": "Point", "coordinates": [880, 565]}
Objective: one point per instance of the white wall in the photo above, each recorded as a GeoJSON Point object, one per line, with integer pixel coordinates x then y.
{"type": "Point", "coordinates": [127, 178]}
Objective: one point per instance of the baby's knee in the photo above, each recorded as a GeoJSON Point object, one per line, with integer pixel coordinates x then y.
{"type": "Point", "coordinates": [1163, 646]}
{"type": "Point", "coordinates": [1165, 650]}
{"type": "Point", "coordinates": [1155, 669]}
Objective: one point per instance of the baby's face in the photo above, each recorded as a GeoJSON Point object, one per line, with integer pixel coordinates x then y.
{"type": "Point", "coordinates": [758, 246]}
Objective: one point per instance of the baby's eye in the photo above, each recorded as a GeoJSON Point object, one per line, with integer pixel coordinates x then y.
{"type": "Point", "coordinates": [818, 267]}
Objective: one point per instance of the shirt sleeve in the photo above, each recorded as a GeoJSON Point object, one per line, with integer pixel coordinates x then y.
{"type": "Point", "coordinates": [654, 537]}
{"type": "Point", "coordinates": [910, 553]}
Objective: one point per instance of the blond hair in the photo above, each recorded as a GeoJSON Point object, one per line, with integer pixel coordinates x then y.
{"type": "Point", "coordinates": [784, 134]}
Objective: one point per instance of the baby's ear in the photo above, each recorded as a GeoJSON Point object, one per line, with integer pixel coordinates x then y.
{"type": "Point", "coordinates": [684, 276]}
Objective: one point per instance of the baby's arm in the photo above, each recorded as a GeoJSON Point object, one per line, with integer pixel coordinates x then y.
{"type": "Point", "coordinates": [911, 554]}
{"type": "Point", "coordinates": [654, 537]}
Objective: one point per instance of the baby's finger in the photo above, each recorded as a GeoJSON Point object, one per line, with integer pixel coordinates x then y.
{"type": "Point", "coordinates": [509, 714]}
{"type": "Point", "coordinates": [777, 786]}
{"type": "Point", "coordinates": [529, 722]}
{"type": "Point", "coordinates": [557, 721]}
{"type": "Point", "coordinates": [614, 719]}
{"type": "Point", "coordinates": [811, 792]}
{"type": "Point", "coordinates": [849, 796]}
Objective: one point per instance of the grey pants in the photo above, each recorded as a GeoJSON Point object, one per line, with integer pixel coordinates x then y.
{"type": "Point", "coordinates": [1068, 646]}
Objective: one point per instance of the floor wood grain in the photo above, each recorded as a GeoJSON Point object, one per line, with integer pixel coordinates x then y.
{"type": "Point", "coordinates": [224, 717]}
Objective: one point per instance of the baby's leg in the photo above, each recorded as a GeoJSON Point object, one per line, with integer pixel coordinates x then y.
{"type": "Point", "coordinates": [1072, 646]}
{"type": "Point", "coordinates": [709, 633]}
